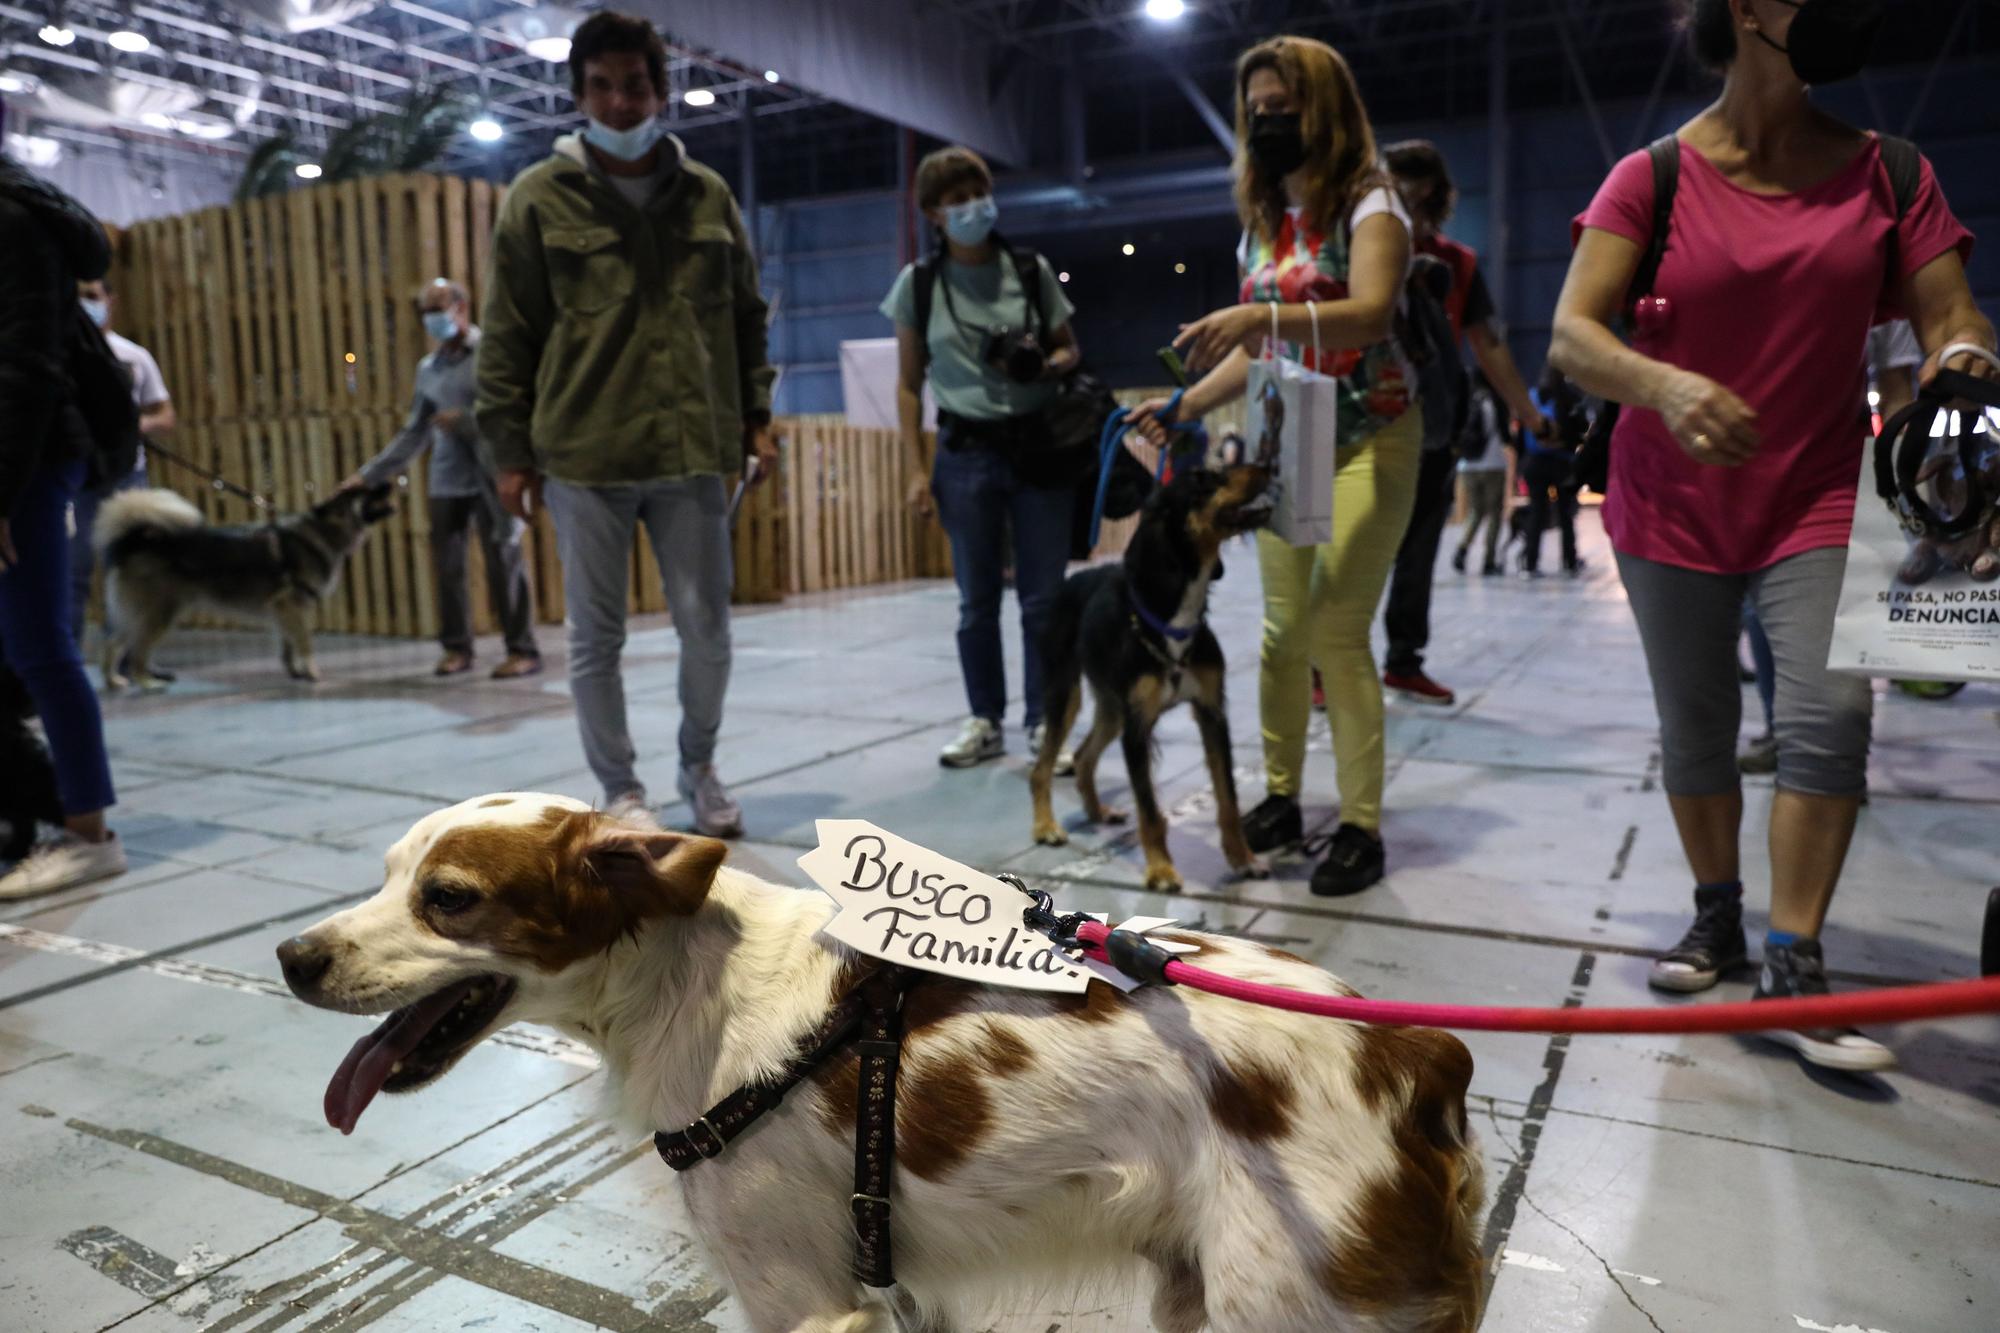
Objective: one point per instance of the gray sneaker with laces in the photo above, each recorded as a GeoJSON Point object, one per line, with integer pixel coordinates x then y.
{"type": "Point", "coordinates": [62, 861]}
{"type": "Point", "coordinates": [716, 812]}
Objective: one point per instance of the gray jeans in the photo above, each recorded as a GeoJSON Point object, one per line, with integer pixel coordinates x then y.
{"type": "Point", "coordinates": [506, 578]}
{"type": "Point", "coordinates": [687, 523]}
{"type": "Point", "coordinates": [1689, 622]}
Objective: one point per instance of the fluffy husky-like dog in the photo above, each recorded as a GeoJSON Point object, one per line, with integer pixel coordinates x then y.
{"type": "Point", "coordinates": [1276, 1173]}
{"type": "Point", "coordinates": [160, 558]}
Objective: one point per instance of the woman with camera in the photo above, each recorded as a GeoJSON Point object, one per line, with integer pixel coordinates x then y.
{"type": "Point", "coordinates": [989, 327]}
{"type": "Point", "coordinates": [1733, 465]}
{"type": "Point", "coordinates": [1326, 238]}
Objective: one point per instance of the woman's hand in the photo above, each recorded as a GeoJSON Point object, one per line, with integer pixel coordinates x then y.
{"type": "Point", "coordinates": [1711, 423]}
{"type": "Point", "coordinates": [1976, 366]}
{"type": "Point", "coordinates": [1146, 419]}
{"type": "Point", "coordinates": [1210, 339]}
{"type": "Point", "coordinates": [920, 501]}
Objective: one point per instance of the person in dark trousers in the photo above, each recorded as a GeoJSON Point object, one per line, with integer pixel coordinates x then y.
{"type": "Point", "coordinates": [461, 491]}
{"type": "Point", "coordinates": [1548, 465]}
{"type": "Point", "coordinates": [156, 424]}
{"type": "Point", "coordinates": [52, 243]}
{"type": "Point", "coordinates": [623, 375]}
{"type": "Point", "coordinates": [1425, 183]}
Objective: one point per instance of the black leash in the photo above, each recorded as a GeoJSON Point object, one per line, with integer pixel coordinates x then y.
{"type": "Point", "coordinates": [870, 1016]}
{"type": "Point", "coordinates": [219, 482]}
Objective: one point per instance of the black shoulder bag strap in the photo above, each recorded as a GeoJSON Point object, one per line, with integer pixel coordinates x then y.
{"type": "Point", "coordinates": [924, 278]}
{"type": "Point", "coordinates": [1592, 466]}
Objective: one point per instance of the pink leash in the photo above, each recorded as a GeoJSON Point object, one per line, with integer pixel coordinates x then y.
{"type": "Point", "coordinates": [1900, 1004]}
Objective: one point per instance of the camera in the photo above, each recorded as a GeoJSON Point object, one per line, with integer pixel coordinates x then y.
{"type": "Point", "coordinates": [1015, 353]}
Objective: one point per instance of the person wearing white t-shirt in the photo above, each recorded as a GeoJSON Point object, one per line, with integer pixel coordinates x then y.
{"type": "Point", "coordinates": [1485, 476]}
{"type": "Point", "coordinates": [156, 422]}
{"type": "Point", "coordinates": [1326, 242]}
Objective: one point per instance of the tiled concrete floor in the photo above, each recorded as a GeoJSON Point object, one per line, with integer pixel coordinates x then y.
{"type": "Point", "coordinates": [164, 1165]}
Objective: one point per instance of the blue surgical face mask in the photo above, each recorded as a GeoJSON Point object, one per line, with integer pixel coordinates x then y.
{"type": "Point", "coordinates": [971, 222]}
{"type": "Point", "coordinates": [99, 312]}
{"type": "Point", "coordinates": [625, 145]}
{"type": "Point", "coordinates": [440, 325]}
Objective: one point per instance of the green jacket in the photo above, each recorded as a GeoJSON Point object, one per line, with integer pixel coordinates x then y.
{"type": "Point", "coordinates": [620, 344]}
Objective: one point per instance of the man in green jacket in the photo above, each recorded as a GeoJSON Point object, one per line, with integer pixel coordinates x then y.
{"type": "Point", "coordinates": [622, 376]}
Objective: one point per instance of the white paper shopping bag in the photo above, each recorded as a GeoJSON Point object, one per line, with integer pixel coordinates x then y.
{"type": "Point", "coordinates": [1292, 422]}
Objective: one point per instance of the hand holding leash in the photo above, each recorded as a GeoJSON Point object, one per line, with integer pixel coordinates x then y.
{"type": "Point", "coordinates": [520, 491]}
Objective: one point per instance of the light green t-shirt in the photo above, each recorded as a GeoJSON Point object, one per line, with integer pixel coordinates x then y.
{"type": "Point", "coordinates": [985, 297]}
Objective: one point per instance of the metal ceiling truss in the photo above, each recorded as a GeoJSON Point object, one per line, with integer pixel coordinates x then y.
{"type": "Point", "coordinates": [1417, 57]}
{"type": "Point", "coordinates": [318, 81]}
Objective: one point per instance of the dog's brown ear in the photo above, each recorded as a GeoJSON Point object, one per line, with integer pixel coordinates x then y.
{"type": "Point", "coordinates": [611, 878]}
{"type": "Point", "coordinates": [653, 872]}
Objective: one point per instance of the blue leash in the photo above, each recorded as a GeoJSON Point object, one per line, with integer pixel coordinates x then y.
{"type": "Point", "coordinates": [1113, 438]}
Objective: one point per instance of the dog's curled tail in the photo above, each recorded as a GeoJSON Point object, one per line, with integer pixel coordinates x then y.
{"type": "Point", "coordinates": [135, 511]}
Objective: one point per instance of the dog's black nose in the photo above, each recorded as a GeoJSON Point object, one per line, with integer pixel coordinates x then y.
{"type": "Point", "coordinates": [304, 962]}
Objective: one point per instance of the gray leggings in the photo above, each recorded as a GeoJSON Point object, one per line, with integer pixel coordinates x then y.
{"type": "Point", "coordinates": [1689, 622]}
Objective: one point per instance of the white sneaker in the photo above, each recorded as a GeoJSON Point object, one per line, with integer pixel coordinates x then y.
{"type": "Point", "coordinates": [715, 810]}
{"type": "Point", "coordinates": [1065, 760]}
{"type": "Point", "coordinates": [977, 741]}
{"type": "Point", "coordinates": [629, 805]}
{"type": "Point", "coordinates": [62, 862]}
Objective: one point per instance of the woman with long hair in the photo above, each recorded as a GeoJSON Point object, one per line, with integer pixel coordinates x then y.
{"type": "Point", "coordinates": [1733, 467]}
{"type": "Point", "coordinates": [1325, 238]}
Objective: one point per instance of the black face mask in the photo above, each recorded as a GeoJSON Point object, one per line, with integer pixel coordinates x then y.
{"type": "Point", "coordinates": [1277, 146]}
{"type": "Point", "coordinates": [1830, 40]}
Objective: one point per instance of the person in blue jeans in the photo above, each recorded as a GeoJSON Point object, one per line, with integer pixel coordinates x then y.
{"type": "Point", "coordinates": [51, 242]}
{"type": "Point", "coordinates": [979, 303]}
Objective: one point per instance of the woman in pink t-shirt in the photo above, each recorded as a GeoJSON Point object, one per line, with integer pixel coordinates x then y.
{"type": "Point", "coordinates": [1734, 465]}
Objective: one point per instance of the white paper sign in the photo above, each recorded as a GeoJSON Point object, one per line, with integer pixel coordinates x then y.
{"type": "Point", "coordinates": [906, 904]}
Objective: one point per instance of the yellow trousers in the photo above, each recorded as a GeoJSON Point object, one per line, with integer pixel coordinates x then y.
{"type": "Point", "coordinates": [1319, 610]}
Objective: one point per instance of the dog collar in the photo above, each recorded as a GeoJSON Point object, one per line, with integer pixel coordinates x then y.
{"type": "Point", "coordinates": [1154, 623]}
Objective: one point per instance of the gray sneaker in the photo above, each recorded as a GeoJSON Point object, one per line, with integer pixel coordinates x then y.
{"type": "Point", "coordinates": [715, 810]}
{"type": "Point", "coordinates": [977, 741]}
{"type": "Point", "coordinates": [62, 861]}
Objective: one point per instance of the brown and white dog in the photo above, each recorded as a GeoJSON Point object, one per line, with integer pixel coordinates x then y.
{"type": "Point", "coordinates": [1276, 1173]}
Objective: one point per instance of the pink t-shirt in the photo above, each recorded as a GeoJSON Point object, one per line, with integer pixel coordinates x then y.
{"type": "Point", "coordinates": [1771, 296]}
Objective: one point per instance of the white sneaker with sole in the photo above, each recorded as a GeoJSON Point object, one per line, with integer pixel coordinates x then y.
{"type": "Point", "coordinates": [62, 862]}
{"type": "Point", "coordinates": [977, 741]}
{"type": "Point", "coordinates": [716, 812]}
{"type": "Point", "coordinates": [1065, 760]}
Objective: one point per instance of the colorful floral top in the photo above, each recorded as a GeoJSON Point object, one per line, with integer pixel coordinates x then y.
{"type": "Point", "coordinates": [1303, 263]}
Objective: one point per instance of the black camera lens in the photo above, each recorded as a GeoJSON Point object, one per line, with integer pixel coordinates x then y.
{"type": "Point", "coordinates": [1016, 355]}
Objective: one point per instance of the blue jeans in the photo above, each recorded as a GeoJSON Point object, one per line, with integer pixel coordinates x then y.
{"type": "Point", "coordinates": [82, 558]}
{"type": "Point", "coordinates": [978, 499]}
{"type": "Point", "coordinates": [36, 642]}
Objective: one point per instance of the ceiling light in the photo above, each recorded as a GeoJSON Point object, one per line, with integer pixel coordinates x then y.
{"type": "Point", "coordinates": [770, 76]}
{"type": "Point", "coordinates": [158, 120]}
{"type": "Point", "coordinates": [1063, 276]}
{"type": "Point", "coordinates": [486, 130]}
{"type": "Point", "coordinates": [1180, 268]}
{"type": "Point", "coordinates": [56, 35]}
{"type": "Point", "coordinates": [1165, 11]}
{"type": "Point", "coordinates": [134, 43]}
{"type": "Point", "coordinates": [35, 150]}
{"type": "Point", "coordinates": [13, 83]}
{"type": "Point", "coordinates": [306, 171]}
{"type": "Point", "coordinates": [555, 50]}
{"type": "Point", "coordinates": [1130, 249]}
{"type": "Point", "coordinates": [698, 97]}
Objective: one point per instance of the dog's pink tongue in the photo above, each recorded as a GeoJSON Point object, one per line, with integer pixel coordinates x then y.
{"type": "Point", "coordinates": [367, 1066]}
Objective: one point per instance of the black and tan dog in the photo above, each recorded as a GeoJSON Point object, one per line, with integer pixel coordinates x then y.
{"type": "Point", "coordinates": [1136, 632]}
{"type": "Point", "coordinates": [161, 558]}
